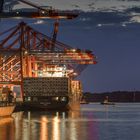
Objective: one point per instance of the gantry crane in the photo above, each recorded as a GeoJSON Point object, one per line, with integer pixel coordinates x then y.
{"type": "Point", "coordinates": [39, 13]}
{"type": "Point", "coordinates": [25, 52]}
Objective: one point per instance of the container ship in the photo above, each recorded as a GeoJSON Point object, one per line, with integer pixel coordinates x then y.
{"type": "Point", "coordinates": [52, 92]}
{"type": "Point", "coordinates": [45, 68]}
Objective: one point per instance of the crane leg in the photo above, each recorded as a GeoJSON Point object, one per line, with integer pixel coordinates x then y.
{"type": "Point", "coordinates": [56, 25]}
{"type": "Point", "coordinates": [1, 5]}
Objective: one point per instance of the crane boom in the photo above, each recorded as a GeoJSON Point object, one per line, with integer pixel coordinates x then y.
{"type": "Point", "coordinates": [41, 13]}
{"type": "Point", "coordinates": [1, 5]}
{"type": "Point", "coordinates": [33, 5]}
{"type": "Point", "coordinates": [56, 25]}
{"type": "Point", "coordinates": [50, 12]}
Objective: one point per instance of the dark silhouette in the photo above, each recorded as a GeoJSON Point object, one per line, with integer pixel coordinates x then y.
{"type": "Point", "coordinates": [114, 96]}
{"type": "Point", "coordinates": [10, 97]}
{"type": "Point", "coordinates": [1, 5]}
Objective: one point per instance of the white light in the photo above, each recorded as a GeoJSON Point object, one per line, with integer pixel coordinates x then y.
{"type": "Point", "coordinates": [75, 73]}
{"type": "Point", "coordinates": [40, 74]}
{"type": "Point", "coordinates": [74, 50]}
{"type": "Point", "coordinates": [29, 98]}
{"type": "Point", "coordinates": [99, 25]}
{"type": "Point", "coordinates": [124, 25]}
{"type": "Point", "coordinates": [43, 12]}
{"type": "Point", "coordinates": [39, 22]}
{"type": "Point", "coordinates": [26, 52]}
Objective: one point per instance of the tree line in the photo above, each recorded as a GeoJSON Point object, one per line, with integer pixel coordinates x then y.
{"type": "Point", "coordinates": [115, 96]}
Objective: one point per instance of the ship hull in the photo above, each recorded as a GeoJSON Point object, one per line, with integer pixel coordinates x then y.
{"type": "Point", "coordinates": [52, 105]}
{"type": "Point", "coordinates": [47, 103]}
{"type": "Point", "coordinates": [6, 110]}
{"type": "Point", "coordinates": [45, 106]}
{"type": "Point", "coordinates": [55, 93]}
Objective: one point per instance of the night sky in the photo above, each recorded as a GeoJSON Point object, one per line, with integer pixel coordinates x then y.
{"type": "Point", "coordinates": [111, 28]}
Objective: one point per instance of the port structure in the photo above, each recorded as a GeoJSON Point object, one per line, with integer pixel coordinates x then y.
{"type": "Point", "coordinates": [37, 12]}
{"type": "Point", "coordinates": [26, 52]}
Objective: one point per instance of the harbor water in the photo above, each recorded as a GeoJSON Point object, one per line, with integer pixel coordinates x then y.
{"type": "Point", "coordinates": [93, 122]}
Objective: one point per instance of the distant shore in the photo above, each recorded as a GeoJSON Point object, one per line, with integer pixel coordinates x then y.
{"type": "Point", "coordinates": [115, 96]}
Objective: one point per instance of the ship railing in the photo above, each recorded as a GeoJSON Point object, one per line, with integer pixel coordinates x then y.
{"type": "Point", "coordinates": [6, 103]}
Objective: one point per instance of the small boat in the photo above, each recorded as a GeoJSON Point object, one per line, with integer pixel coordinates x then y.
{"type": "Point", "coordinates": [6, 109]}
{"type": "Point", "coordinates": [84, 102]}
{"type": "Point", "coordinates": [106, 102]}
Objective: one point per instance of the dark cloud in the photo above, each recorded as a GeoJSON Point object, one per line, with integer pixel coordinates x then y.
{"type": "Point", "coordinates": [133, 9]}
{"type": "Point", "coordinates": [91, 19]}
{"type": "Point", "coordinates": [129, 0]}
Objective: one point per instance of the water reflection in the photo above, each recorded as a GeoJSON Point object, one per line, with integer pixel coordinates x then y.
{"type": "Point", "coordinates": [57, 126]}
{"type": "Point", "coordinates": [46, 126]}
{"type": "Point", "coordinates": [93, 122]}
{"type": "Point", "coordinates": [18, 123]}
{"type": "Point", "coordinates": [7, 128]}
